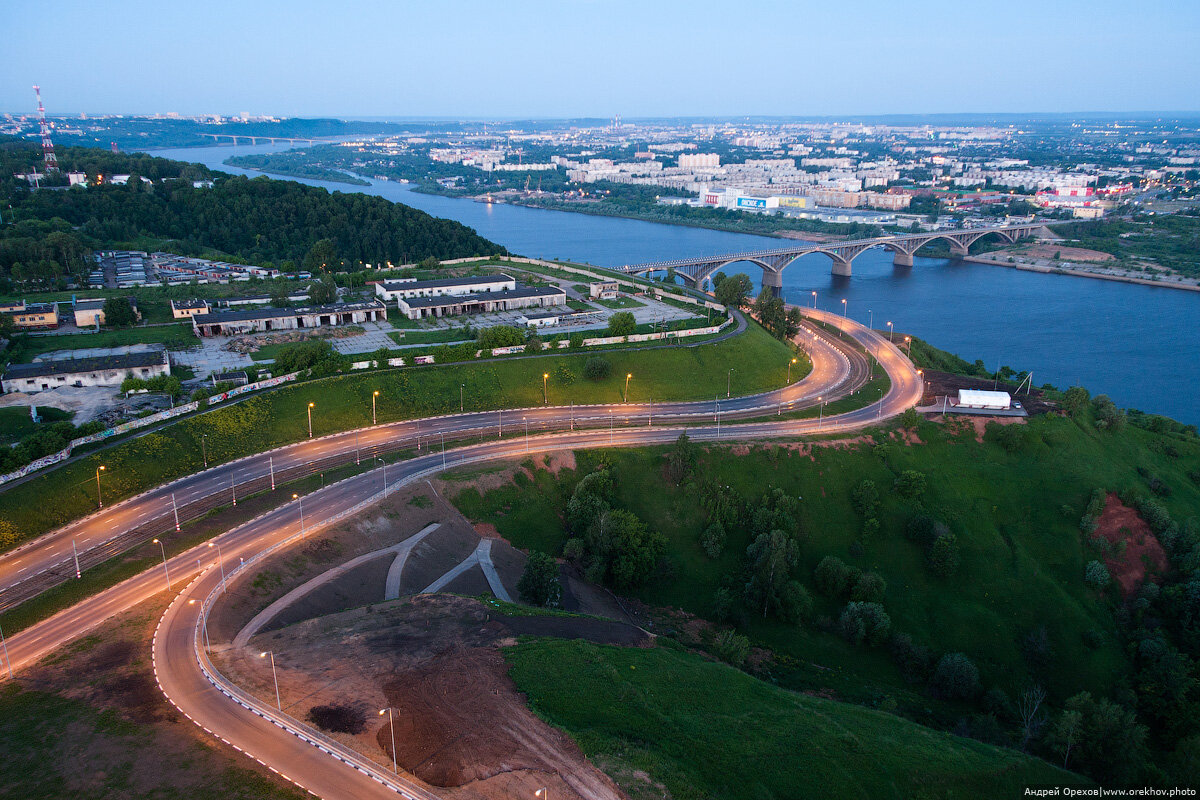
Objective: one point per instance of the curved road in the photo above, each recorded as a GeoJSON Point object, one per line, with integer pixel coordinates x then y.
{"type": "Point", "coordinates": [180, 662]}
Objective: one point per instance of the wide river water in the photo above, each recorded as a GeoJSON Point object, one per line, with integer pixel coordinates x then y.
{"type": "Point", "coordinates": [1138, 344]}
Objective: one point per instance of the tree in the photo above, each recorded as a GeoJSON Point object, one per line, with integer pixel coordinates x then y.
{"type": "Point", "coordinates": [869, 588]}
{"type": "Point", "coordinates": [1096, 575]}
{"type": "Point", "coordinates": [865, 623]}
{"type": "Point", "coordinates": [712, 540]}
{"type": "Point", "coordinates": [1108, 416]}
{"type": "Point", "coordinates": [1075, 400]}
{"type": "Point", "coordinates": [833, 577]}
{"type": "Point", "coordinates": [772, 557]}
{"type": "Point", "coordinates": [322, 257]}
{"type": "Point", "coordinates": [499, 336]}
{"type": "Point", "coordinates": [635, 549]}
{"type": "Point", "coordinates": [119, 313]}
{"type": "Point", "coordinates": [733, 291]}
{"type": "Point", "coordinates": [596, 368]}
{"type": "Point", "coordinates": [731, 647]}
{"type": "Point", "coordinates": [910, 484]}
{"type": "Point", "coordinates": [681, 459]}
{"type": "Point", "coordinates": [1107, 740]}
{"type": "Point", "coordinates": [1030, 713]}
{"type": "Point", "coordinates": [943, 557]}
{"type": "Point", "coordinates": [323, 292]}
{"type": "Point", "coordinates": [621, 324]}
{"type": "Point", "coordinates": [797, 604]}
{"type": "Point", "coordinates": [865, 498]}
{"type": "Point", "coordinates": [910, 419]}
{"type": "Point", "coordinates": [956, 677]}
{"type": "Point", "coordinates": [576, 340]}
{"type": "Point", "coordinates": [539, 583]}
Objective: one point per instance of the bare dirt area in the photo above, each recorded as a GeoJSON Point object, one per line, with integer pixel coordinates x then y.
{"type": "Point", "coordinates": [485, 479]}
{"type": "Point", "coordinates": [85, 402]}
{"type": "Point", "coordinates": [940, 384]}
{"type": "Point", "coordinates": [251, 344]}
{"type": "Point", "coordinates": [120, 737]}
{"type": "Point", "coordinates": [1134, 551]}
{"type": "Point", "coordinates": [435, 660]}
{"type": "Point", "coordinates": [1064, 253]}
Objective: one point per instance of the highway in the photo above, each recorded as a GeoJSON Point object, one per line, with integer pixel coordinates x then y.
{"type": "Point", "coordinates": [198, 691]}
{"type": "Point", "coordinates": [51, 559]}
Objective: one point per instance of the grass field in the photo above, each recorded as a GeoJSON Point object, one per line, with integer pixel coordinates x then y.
{"type": "Point", "coordinates": [705, 730]}
{"type": "Point", "coordinates": [1016, 516]}
{"type": "Point", "coordinates": [175, 337]}
{"type": "Point", "coordinates": [344, 402]}
{"type": "Point", "coordinates": [440, 336]}
{"type": "Point", "coordinates": [16, 424]}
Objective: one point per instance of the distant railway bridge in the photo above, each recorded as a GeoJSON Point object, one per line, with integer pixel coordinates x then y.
{"type": "Point", "coordinates": [903, 246]}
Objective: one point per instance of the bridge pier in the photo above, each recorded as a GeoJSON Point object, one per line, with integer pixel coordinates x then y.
{"type": "Point", "coordinates": [774, 281]}
{"type": "Point", "coordinates": [902, 259]}
{"type": "Point", "coordinates": [959, 250]}
{"type": "Point", "coordinates": [841, 266]}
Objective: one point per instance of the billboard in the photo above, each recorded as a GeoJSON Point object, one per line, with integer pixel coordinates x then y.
{"type": "Point", "coordinates": [751, 202]}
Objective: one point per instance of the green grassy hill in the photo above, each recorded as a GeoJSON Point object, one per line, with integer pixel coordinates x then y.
{"type": "Point", "coordinates": [706, 730]}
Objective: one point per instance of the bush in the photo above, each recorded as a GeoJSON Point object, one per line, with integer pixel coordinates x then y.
{"type": "Point", "coordinates": [731, 647]}
{"type": "Point", "coordinates": [499, 336]}
{"type": "Point", "coordinates": [915, 661]}
{"type": "Point", "coordinates": [943, 558]}
{"type": "Point", "coordinates": [833, 577]}
{"type": "Point", "coordinates": [869, 588]}
{"type": "Point", "coordinates": [797, 604]}
{"type": "Point", "coordinates": [539, 582]}
{"type": "Point", "coordinates": [596, 368]}
{"type": "Point", "coordinates": [956, 677]}
{"type": "Point", "coordinates": [910, 484]}
{"type": "Point", "coordinates": [865, 498]}
{"type": "Point", "coordinates": [712, 541]}
{"type": "Point", "coordinates": [575, 341]}
{"type": "Point", "coordinates": [1096, 575]}
{"type": "Point", "coordinates": [924, 530]}
{"type": "Point", "coordinates": [1108, 416]}
{"type": "Point", "coordinates": [865, 623]}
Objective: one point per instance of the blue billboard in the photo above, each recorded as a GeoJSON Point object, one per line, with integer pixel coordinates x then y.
{"type": "Point", "coordinates": [752, 202]}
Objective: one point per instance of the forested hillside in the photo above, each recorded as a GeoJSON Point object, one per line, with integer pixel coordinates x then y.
{"type": "Point", "coordinates": [48, 232]}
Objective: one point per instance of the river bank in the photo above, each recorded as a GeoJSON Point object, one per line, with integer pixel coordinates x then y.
{"type": "Point", "coordinates": [1045, 267]}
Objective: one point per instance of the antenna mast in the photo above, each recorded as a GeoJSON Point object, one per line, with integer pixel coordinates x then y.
{"type": "Point", "coordinates": [47, 145]}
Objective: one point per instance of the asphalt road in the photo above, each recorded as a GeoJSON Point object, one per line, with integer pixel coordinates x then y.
{"type": "Point", "coordinates": [50, 559]}
{"type": "Point", "coordinates": [197, 575]}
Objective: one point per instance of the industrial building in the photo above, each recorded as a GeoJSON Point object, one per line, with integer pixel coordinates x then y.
{"type": "Point", "coordinates": [100, 371]}
{"type": "Point", "coordinates": [482, 302]}
{"type": "Point", "coordinates": [441, 287]}
{"type": "Point", "coordinates": [89, 312]}
{"type": "Point", "coordinates": [261, 320]}
{"type": "Point", "coordinates": [977, 398]}
{"type": "Point", "coordinates": [32, 316]}
{"type": "Point", "coordinates": [186, 309]}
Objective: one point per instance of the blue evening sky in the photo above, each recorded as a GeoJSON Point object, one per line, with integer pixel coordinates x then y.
{"type": "Point", "coordinates": [556, 58]}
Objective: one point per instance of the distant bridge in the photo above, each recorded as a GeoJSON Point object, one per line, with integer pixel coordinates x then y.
{"type": "Point", "coordinates": [217, 137]}
{"type": "Point", "coordinates": [773, 262]}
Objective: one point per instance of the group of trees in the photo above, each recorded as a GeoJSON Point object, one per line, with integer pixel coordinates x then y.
{"type": "Point", "coordinates": [315, 355]}
{"type": "Point", "coordinates": [732, 291]}
{"type": "Point", "coordinates": [611, 545]}
{"type": "Point", "coordinates": [781, 323]}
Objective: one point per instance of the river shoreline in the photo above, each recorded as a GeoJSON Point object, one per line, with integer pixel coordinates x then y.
{"type": "Point", "coordinates": [1080, 273]}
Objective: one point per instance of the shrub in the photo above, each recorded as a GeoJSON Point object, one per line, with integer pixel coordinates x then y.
{"type": "Point", "coordinates": [621, 323]}
{"type": "Point", "coordinates": [573, 549]}
{"type": "Point", "coordinates": [910, 484]}
{"type": "Point", "coordinates": [499, 336]}
{"type": "Point", "coordinates": [712, 540]}
{"type": "Point", "coordinates": [925, 530]}
{"type": "Point", "coordinates": [1108, 416]}
{"type": "Point", "coordinates": [943, 558]}
{"type": "Point", "coordinates": [596, 368]}
{"type": "Point", "coordinates": [915, 661]}
{"type": "Point", "coordinates": [797, 604]}
{"type": "Point", "coordinates": [575, 341]}
{"type": "Point", "coordinates": [869, 588]}
{"type": "Point", "coordinates": [956, 677]}
{"type": "Point", "coordinates": [833, 577]}
{"type": "Point", "coordinates": [865, 623]}
{"type": "Point", "coordinates": [1096, 575]}
{"type": "Point", "coordinates": [563, 375]}
{"type": "Point", "coordinates": [731, 647]}
{"type": "Point", "coordinates": [539, 582]}
{"type": "Point", "coordinates": [865, 498]}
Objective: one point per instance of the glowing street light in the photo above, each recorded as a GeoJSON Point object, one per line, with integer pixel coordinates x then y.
{"type": "Point", "coordinates": [628, 375]}
{"type": "Point", "coordinates": [165, 570]}
{"type": "Point", "coordinates": [300, 500]}
{"type": "Point", "coordinates": [99, 497]}
{"type": "Point", "coordinates": [310, 408]}
{"type": "Point", "coordinates": [728, 383]}
{"type": "Point", "coordinates": [891, 330]}
{"type": "Point", "coordinates": [392, 725]}
{"type": "Point", "coordinates": [373, 397]}
{"type": "Point", "coordinates": [814, 294]}
{"type": "Point", "coordinates": [275, 675]}
{"type": "Point", "coordinates": [545, 391]}
{"type": "Point", "coordinates": [789, 377]}
{"type": "Point", "coordinates": [843, 306]}
{"type": "Point", "coordinates": [220, 562]}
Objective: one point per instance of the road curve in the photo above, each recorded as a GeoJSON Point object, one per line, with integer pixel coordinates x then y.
{"type": "Point", "coordinates": [50, 559]}
{"type": "Point", "coordinates": [198, 691]}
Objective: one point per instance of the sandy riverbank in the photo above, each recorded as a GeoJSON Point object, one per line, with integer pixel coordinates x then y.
{"type": "Point", "coordinates": [1068, 269]}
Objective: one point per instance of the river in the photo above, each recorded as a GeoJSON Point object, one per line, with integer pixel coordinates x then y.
{"type": "Point", "coordinates": [1138, 344]}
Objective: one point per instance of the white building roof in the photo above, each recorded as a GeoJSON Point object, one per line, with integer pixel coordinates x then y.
{"type": "Point", "coordinates": [983, 399]}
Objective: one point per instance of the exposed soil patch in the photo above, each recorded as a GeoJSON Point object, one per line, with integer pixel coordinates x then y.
{"type": "Point", "coordinates": [251, 344]}
{"type": "Point", "coordinates": [940, 384]}
{"type": "Point", "coordinates": [1064, 253]}
{"type": "Point", "coordinates": [1140, 555]}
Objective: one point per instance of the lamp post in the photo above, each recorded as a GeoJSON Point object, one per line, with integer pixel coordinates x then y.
{"type": "Point", "coordinates": [814, 294]}
{"type": "Point", "coordinates": [891, 330]}
{"type": "Point", "coordinates": [99, 496]}
{"type": "Point", "coordinates": [392, 726]}
{"type": "Point", "coordinates": [843, 307]}
{"type": "Point", "coordinates": [165, 570]}
{"type": "Point", "coordinates": [310, 408]}
{"type": "Point", "coordinates": [870, 319]}
{"type": "Point", "coordinates": [718, 420]}
{"type": "Point", "coordinates": [275, 676]}
{"type": "Point", "coordinates": [204, 448]}
{"type": "Point", "coordinates": [220, 562]}
{"type": "Point", "coordinates": [526, 421]}
{"type": "Point", "coordinates": [374, 395]}
{"type": "Point", "coordinates": [728, 383]}
{"type": "Point", "coordinates": [908, 345]}
{"type": "Point", "coordinates": [461, 406]}
{"type": "Point", "coordinates": [300, 500]}
{"type": "Point", "coordinates": [820, 413]}
{"type": "Point", "coordinates": [789, 378]}
{"type": "Point", "coordinates": [442, 439]}
{"type": "Point", "coordinates": [545, 391]}
{"type": "Point", "coordinates": [628, 375]}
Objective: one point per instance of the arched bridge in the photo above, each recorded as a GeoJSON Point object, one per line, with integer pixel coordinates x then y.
{"type": "Point", "coordinates": [773, 262]}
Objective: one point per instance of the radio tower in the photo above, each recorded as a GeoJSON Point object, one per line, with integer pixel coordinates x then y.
{"type": "Point", "coordinates": [47, 145]}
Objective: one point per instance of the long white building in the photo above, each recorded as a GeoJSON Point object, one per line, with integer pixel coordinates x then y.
{"type": "Point", "coordinates": [442, 287]}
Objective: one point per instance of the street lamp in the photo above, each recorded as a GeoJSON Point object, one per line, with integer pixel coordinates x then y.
{"type": "Point", "coordinates": [814, 294]}
{"type": "Point", "coordinates": [908, 344]}
{"type": "Point", "coordinates": [789, 378]}
{"type": "Point", "coordinates": [204, 448]}
{"type": "Point", "coordinates": [843, 306]}
{"type": "Point", "coordinates": [300, 500]}
{"type": "Point", "coordinates": [526, 421]}
{"type": "Point", "coordinates": [628, 375]}
{"type": "Point", "coordinates": [870, 319]}
{"type": "Point", "coordinates": [275, 675]}
{"type": "Point", "coordinates": [891, 330]}
{"type": "Point", "coordinates": [820, 413]}
{"type": "Point", "coordinates": [373, 396]}
{"type": "Point", "coordinates": [99, 497]}
{"type": "Point", "coordinates": [461, 387]}
{"type": "Point", "coordinates": [545, 391]}
{"type": "Point", "coordinates": [728, 382]}
{"type": "Point", "coordinates": [220, 562]}
{"type": "Point", "coordinates": [392, 725]}
{"type": "Point", "coordinates": [167, 571]}
{"type": "Point", "coordinates": [310, 408]}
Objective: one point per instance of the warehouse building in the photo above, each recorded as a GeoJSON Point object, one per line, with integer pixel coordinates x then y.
{"type": "Point", "coordinates": [32, 316]}
{"type": "Point", "coordinates": [444, 287]}
{"type": "Point", "coordinates": [186, 309]}
{"type": "Point", "coordinates": [100, 371]}
{"type": "Point", "coordinates": [261, 320]}
{"type": "Point", "coordinates": [482, 302]}
{"type": "Point", "coordinates": [977, 398]}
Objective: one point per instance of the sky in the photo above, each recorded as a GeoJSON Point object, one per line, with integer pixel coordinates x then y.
{"type": "Point", "coordinates": [568, 58]}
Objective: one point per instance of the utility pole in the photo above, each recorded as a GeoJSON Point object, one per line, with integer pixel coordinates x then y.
{"type": "Point", "coordinates": [175, 510]}
{"type": "Point", "coordinates": [75, 553]}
